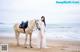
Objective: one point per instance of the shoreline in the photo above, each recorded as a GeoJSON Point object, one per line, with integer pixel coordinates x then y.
{"type": "Point", "coordinates": [54, 45]}
{"type": "Point", "coordinates": [1, 37]}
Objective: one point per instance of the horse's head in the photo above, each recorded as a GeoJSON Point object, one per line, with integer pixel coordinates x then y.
{"type": "Point", "coordinates": [37, 24]}
{"type": "Point", "coordinates": [34, 24]}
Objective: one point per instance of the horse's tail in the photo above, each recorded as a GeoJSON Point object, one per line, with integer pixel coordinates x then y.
{"type": "Point", "coordinates": [15, 27]}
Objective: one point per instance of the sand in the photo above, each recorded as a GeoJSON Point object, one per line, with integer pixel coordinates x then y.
{"type": "Point", "coordinates": [53, 46]}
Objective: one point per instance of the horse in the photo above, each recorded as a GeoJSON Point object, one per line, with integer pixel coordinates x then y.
{"type": "Point", "coordinates": [28, 31]}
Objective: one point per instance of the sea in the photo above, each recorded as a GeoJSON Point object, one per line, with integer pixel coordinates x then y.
{"type": "Point", "coordinates": [65, 31]}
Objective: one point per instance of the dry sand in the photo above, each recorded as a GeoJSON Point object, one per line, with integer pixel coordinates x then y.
{"type": "Point", "coordinates": [54, 46]}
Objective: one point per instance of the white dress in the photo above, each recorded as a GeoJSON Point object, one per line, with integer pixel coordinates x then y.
{"type": "Point", "coordinates": [41, 38]}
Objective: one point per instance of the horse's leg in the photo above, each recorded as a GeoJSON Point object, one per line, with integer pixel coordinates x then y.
{"type": "Point", "coordinates": [30, 40]}
{"type": "Point", "coordinates": [25, 41]}
{"type": "Point", "coordinates": [17, 37]}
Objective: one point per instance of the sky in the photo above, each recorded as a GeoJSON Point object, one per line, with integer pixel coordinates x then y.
{"type": "Point", "coordinates": [12, 11]}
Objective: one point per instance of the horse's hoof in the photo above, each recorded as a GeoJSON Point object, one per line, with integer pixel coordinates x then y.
{"type": "Point", "coordinates": [25, 47]}
{"type": "Point", "coordinates": [31, 47]}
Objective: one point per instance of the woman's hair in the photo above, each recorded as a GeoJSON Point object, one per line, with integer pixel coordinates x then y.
{"type": "Point", "coordinates": [43, 20]}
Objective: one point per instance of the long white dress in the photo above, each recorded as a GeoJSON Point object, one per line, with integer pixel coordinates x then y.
{"type": "Point", "coordinates": [41, 38]}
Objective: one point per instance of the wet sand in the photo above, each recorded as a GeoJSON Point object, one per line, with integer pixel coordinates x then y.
{"type": "Point", "coordinates": [53, 46]}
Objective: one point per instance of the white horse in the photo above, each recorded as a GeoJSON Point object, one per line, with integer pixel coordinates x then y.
{"type": "Point", "coordinates": [28, 31]}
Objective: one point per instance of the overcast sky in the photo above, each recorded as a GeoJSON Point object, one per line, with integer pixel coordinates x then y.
{"type": "Point", "coordinates": [18, 10]}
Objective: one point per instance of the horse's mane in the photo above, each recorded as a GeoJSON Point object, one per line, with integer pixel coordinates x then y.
{"type": "Point", "coordinates": [31, 23]}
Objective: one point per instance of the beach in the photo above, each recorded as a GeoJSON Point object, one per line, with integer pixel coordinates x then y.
{"type": "Point", "coordinates": [59, 38]}
{"type": "Point", "coordinates": [62, 25]}
{"type": "Point", "coordinates": [53, 45]}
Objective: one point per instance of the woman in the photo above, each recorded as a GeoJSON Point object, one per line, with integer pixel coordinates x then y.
{"type": "Point", "coordinates": [41, 33]}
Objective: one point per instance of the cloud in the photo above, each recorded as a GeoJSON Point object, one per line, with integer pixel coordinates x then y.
{"type": "Point", "coordinates": [12, 10]}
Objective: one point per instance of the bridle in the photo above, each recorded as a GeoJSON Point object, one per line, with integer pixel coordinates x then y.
{"type": "Point", "coordinates": [37, 25]}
